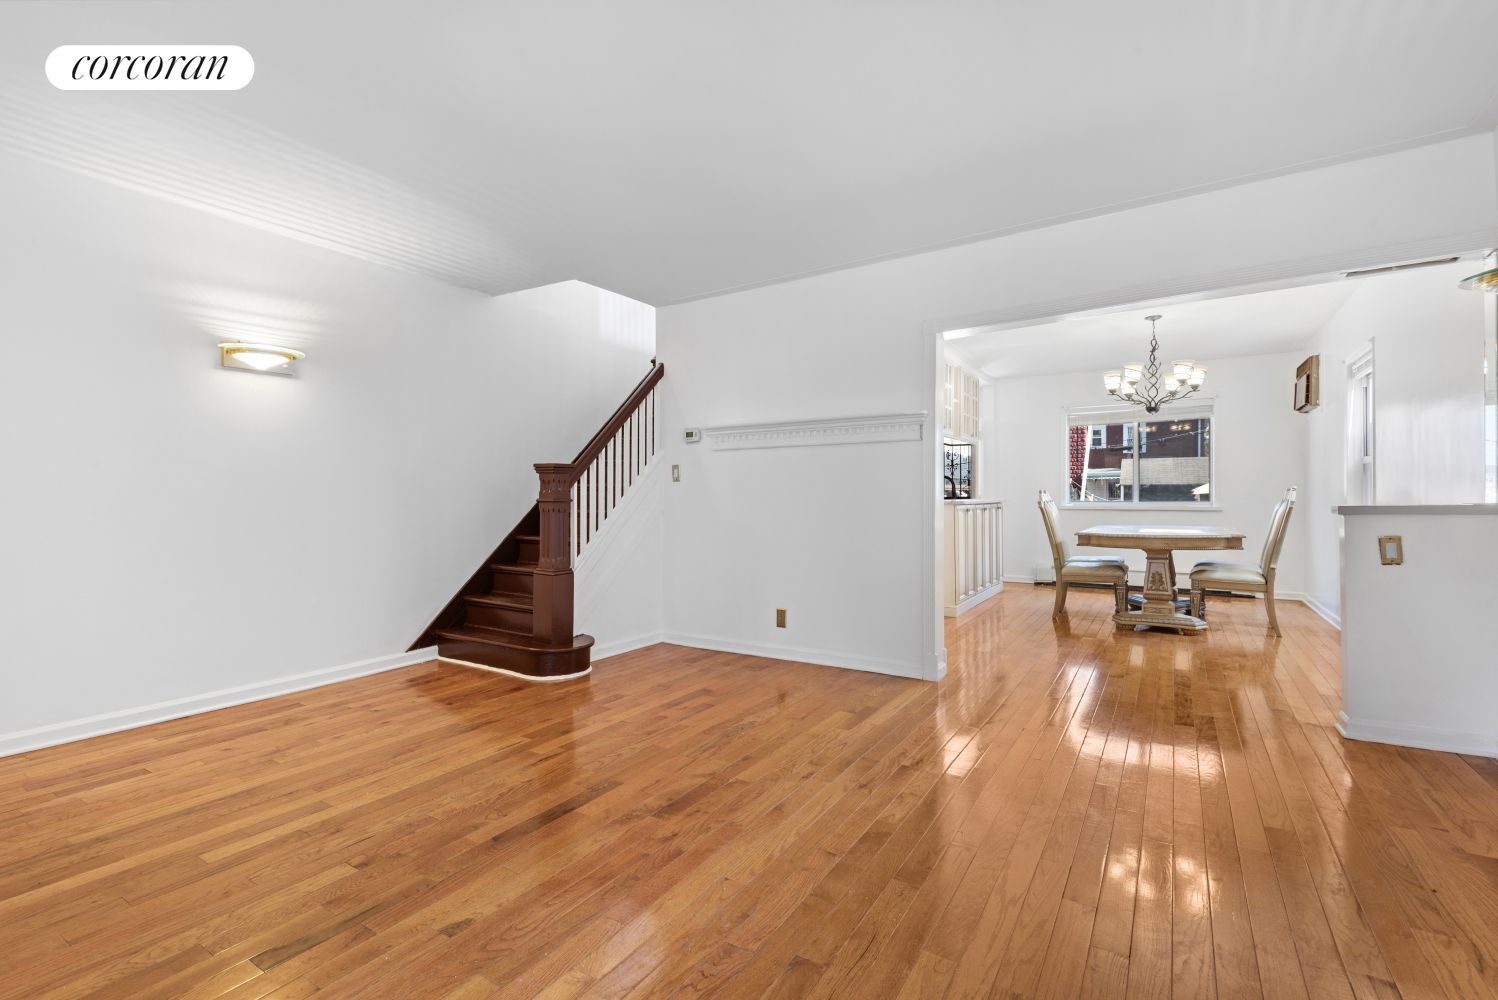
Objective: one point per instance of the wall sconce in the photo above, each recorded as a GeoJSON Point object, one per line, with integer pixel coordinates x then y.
{"type": "Point", "coordinates": [260, 358]}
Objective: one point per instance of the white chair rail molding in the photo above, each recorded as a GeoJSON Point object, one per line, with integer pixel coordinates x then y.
{"type": "Point", "coordinates": [1417, 637]}
{"type": "Point", "coordinates": [804, 433]}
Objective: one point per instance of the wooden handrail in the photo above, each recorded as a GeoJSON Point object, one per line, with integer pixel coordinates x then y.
{"type": "Point", "coordinates": [621, 416]}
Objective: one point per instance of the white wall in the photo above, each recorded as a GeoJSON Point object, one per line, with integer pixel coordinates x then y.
{"type": "Point", "coordinates": [173, 529]}
{"type": "Point", "coordinates": [1417, 642]}
{"type": "Point", "coordinates": [1258, 438]}
{"type": "Point", "coordinates": [1428, 405]}
{"type": "Point", "coordinates": [618, 578]}
{"type": "Point", "coordinates": [842, 533]}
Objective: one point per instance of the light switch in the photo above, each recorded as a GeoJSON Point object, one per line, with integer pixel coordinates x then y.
{"type": "Point", "coordinates": [1391, 550]}
{"type": "Point", "coordinates": [676, 473]}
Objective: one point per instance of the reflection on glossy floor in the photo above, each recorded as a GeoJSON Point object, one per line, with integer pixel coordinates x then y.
{"type": "Point", "coordinates": [1074, 812]}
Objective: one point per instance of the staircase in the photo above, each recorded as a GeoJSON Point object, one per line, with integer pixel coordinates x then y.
{"type": "Point", "coordinates": [515, 613]}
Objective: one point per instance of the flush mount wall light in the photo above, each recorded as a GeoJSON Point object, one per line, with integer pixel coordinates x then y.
{"type": "Point", "coordinates": [1144, 384]}
{"type": "Point", "coordinates": [262, 358]}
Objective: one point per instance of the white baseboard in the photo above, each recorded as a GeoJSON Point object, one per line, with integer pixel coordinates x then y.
{"type": "Point", "coordinates": [894, 668]}
{"type": "Point", "coordinates": [1418, 737]}
{"type": "Point", "coordinates": [133, 718]}
{"type": "Point", "coordinates": [1018, 579]}
{"type": "Point", "coordinates": [602, 650]}
{"type": "Point", "coordinates": [968, 603]}
{"type": "Point", "coordinates": [1325, 612]}
{"type": "Point", "coordinates": [514, 673]}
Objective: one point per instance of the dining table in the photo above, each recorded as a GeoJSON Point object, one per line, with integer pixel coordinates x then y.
{"type": "Point", "coordinates": [1160, 542]}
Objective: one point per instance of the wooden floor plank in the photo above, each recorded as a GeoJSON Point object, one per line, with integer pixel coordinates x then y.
{"type": "Point", "coordinates": [1075, 811]}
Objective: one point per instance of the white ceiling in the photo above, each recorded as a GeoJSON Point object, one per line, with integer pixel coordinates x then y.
{"type": "Point", "coordinates": [673, 150]}
{"type": "Point", "coordinates": [1232, 327]}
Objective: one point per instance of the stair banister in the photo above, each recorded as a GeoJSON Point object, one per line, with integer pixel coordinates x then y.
{"type": "Point", "coordinates": [553, 590]}
{"type": "Point", "coordinates": [515, 613]}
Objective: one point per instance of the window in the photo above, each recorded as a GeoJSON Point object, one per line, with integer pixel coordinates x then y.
{"type": "Point", "coordinates": [1361, 445]}
{"type": "Point", "coordinates": [1490, 393]}
{"type": "Point", "coordinates": [969, 406]}
{"type": "Point", "coordinates": [960, 403]}
{"type": "Point", "coordinates": [958, 482]}
{"type": "Point", "coordinates": [1172, 453]}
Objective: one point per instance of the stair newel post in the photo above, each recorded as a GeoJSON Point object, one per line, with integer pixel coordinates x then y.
{"type": "Point", "coordinates": [552, 615]}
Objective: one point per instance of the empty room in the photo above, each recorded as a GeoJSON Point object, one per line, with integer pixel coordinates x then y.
{"type": "Point", "coordinates": [874, 500]}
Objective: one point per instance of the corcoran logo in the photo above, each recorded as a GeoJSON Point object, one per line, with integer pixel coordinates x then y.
{"type": "Point", "coordinates": [149, 67]}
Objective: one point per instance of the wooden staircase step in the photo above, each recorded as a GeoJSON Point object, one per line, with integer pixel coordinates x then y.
{"type": "Point", "coordinates": [513, 651]}
{"type": "Point", "coordinates": [508, 611]}
{"type": "Point", "coordinates": [519, 602]}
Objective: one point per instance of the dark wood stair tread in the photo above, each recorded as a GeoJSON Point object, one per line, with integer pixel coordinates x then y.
{"type": "Point", "coordinates": [518, 602]}
{"type": "Point", "coordinates": [527, 538]}
{"type": "Point", "coordinates": [509, 640]}
{"type": "Point", "coordinates": [525, 569]}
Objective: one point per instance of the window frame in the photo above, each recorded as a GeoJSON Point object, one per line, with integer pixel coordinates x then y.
{"type": "Point", "coordinates": [1069, 411]}
{"type": "Point", "coordinates": [1362, 428]}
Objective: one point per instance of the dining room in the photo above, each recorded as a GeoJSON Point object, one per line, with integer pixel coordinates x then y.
{"type": "Point", "coordinates": [1231, 426]}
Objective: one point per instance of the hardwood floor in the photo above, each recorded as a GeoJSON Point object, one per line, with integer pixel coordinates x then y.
{"type": "Point", "coordinates": [1074, 812]}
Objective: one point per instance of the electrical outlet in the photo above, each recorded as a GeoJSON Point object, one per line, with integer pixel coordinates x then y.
{"type": "Point", "coordinates": [780, 617]}
{"type": "Point", "coordinates": [676, 473]}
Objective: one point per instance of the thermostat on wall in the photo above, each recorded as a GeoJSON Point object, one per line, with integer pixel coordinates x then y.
{"type": "Point", "coordinates": [691, 435]}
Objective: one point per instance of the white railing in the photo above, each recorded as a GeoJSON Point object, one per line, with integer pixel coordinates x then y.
{"type": "Point", "coordinates": [972, 570]}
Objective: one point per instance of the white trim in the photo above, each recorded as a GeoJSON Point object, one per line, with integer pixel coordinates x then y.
{"type": "Point", "coordinates": [1291, 273]}
{"type": "Point", "coordinates": [1190, 505]}
{"type": "Point", "coordinates": [801, 433]}
{"type": "Point", "coordinates": [133, 718]}
{"type": "Point", "coordinates": [894, 668]}
{"type": "Point", "coordinates": [1017, 579]}
{"type": "Point", "coordinates": [1420, 737]}
{"type": "Point", "coordinates": [618, 646]}
{"type": "Point", "coordinates": [1420, 509]}
{"type": "Point", "coordinates": [1331, 617]}
{"type": "Point", "coordinates": [968, 603]}
{"type": "Point", "coordinates": [512, 673]}
{"type": "Point", "coordinates": [933, 650]}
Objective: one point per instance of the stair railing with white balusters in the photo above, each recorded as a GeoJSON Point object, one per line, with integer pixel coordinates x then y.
{"type": "Point", "coordinates": [973, 553]}
{"type": "Point", "coordinates": [577, 499]}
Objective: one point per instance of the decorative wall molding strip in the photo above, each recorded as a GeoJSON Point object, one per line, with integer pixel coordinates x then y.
{"type": "Point", "coordinates": [801, 433]}
{"type": "Point", "coordinates": [145, 715]}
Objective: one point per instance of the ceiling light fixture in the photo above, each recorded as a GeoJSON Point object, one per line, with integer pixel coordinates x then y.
{"type": "Point", "coordinates": [261, 358]}
{"type": "Point", "coordinates": [1143, 383]}
{"type": "Point", "coordinates": [1486, 281]}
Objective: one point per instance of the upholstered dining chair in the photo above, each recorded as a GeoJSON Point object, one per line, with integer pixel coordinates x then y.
{"type": "Point", "coordinates": [1220, 574]}
{"type": "Point", "coordinates": [1112, 570]}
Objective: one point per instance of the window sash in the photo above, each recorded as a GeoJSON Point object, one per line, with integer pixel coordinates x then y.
{"type": "Point", "coordinates": [1133, 421]}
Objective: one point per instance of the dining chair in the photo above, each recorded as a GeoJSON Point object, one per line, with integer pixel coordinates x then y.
{"type": "Point", "coordinates": [1112, 570]}
{"type": "Point", "coordinates": [1219, 574]}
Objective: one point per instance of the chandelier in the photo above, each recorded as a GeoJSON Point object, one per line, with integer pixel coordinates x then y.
{"type": "Point", "coordinates": [1146, 385]}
